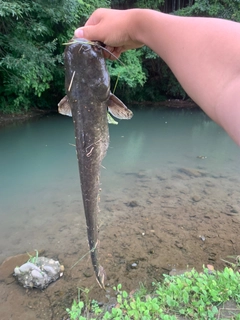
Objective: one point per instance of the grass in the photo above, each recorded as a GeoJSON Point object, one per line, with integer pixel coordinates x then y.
{"type": "Point", "coordinates": [192, 295]}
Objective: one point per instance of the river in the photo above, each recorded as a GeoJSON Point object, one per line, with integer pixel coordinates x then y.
{"type": "Point", "coordinates": [170, 195]}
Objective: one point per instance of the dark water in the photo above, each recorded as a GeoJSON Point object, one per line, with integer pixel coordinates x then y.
{"type": "Point", "coordinates": [39, 183]}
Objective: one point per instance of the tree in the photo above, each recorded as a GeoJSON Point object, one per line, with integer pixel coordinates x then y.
{"type": "Point", "coordinates": [32, 34]}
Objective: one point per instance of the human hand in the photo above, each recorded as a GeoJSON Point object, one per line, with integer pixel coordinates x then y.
{"type": "Point", "coordinates": [115, 28]}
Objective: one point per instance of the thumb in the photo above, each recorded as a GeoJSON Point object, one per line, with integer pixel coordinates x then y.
{"type": "Point", "coordinates": [86, 33]}
{"type": "Point", "coordinates": [78, 33]}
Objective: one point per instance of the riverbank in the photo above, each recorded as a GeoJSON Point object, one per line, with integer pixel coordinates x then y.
{"type": "Point", "coordinates": [170, 103]}
{"type": "Point", "coordinates": [6, 119]}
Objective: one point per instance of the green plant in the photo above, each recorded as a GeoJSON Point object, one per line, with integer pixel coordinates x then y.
{"type": "Point", "coordinates": [198, 295]}
{"type": "Point", "coordinates": [32, 258]}
{"type": "Point", "coordinates": [95, 307]}
{"type": "Point", "coordinates": [192, 295]}
{"type": "Point", "coordinates": [76, 310]}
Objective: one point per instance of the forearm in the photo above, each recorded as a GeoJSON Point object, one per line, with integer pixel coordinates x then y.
{"type": "Point", "coordinates": [204, 55]}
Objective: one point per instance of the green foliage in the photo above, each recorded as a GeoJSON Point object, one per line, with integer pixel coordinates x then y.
{"type": "Point", "coordinates": [226, 9]}
{"type": "Point", "coordinates": [129, 72]}
{"type": "Point", "coordinates": [32, 258]}
{"type": "Point", "coordinates": [31, 60]}
{"type": "Point", "coordinates": [198, 295]}
{"type": "Point", "coordinates": [31, 38]}
{"type": "Point", "coordinates": [193, 295]}
{"type": "Point", "coordinates": [128, 75]}
{"type": "Point", "coordinates": [149, 4]}
{"type": "Point", "coordinates": [126, 4]}
{"type": "Point", "coordinates": [76, 310]}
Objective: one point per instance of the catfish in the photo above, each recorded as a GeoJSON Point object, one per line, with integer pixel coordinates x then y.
{"type": "Point", "coordinates": [88, 100]}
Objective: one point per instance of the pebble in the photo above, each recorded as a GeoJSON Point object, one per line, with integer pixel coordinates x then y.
{"type": "Point", "coordinates": [193, 173]}
{"type": "Point", "coordinates": [134, 265]}
{"type": "Point", "coordinates": [132, 204]}
{"type": "Point", "coordinates": [202, 238]}
{"type": "Point", "coordinates": [36, 274]}
{"type": "Point", "coordinates": [179, 245]}
{"type": "Point", "coordinates": [88, 273]}
{"type": "Point", "coordinates": [196, 198]}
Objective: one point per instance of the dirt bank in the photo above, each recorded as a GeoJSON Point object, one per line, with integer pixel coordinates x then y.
{"type": "Point", "coordinates": [10, 118]}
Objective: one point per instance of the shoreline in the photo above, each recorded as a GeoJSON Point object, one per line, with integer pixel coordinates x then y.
{"type": "Point", "coordinates": [8, 118]}
{"type": "Point", "coordinates": [170, 103]}
{"type": "Point", "coordinates": [11, 118]}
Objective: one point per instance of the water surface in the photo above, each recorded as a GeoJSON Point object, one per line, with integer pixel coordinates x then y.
{"type": "Point", "coordinates": [39, 174]}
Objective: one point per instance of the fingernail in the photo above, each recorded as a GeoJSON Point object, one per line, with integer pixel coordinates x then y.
{"type": "Point", "coordinates": [78, 33]}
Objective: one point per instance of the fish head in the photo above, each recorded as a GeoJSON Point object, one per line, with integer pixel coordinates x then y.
{"type": "Point", "coordinates": [91, 63]}
{"type": "Point", "coordinates": [88, 73]}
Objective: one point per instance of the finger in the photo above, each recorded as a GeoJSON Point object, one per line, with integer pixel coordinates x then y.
{"type": "Point", "coordinates": [111, 53]}
{"type": "Point", "coordinates": [89, 32]}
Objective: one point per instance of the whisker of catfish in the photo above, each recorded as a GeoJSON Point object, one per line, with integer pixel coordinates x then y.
{"type": "Point", "coordinates": [112, 54]}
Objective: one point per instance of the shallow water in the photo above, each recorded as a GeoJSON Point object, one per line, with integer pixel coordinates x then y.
{"type": "Point", "coordinates": [169, 176]}
{"type": "Point", "coordinates": [39, 168]}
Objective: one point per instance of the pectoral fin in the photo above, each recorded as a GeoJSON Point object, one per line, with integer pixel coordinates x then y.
{"type": "Point", "coordinates": [118, 109]}
{"type": "Point", "coordinates": [64, 107]}
{"type": "Point", "coordinates": [115, 106]}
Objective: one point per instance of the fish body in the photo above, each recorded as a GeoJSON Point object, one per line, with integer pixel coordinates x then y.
{"type": "Point", "coordinates": [87, 85]}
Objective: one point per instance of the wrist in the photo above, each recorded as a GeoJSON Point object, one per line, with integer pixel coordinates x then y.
{"type": "Point", "coordinates": [141, 24]}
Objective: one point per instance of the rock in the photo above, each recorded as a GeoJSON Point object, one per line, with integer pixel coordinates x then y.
{"type": "Point", "coordinates": [161, 178]}
{"type": "Point", "coordinates": [134, 265]}
{"type": "Point", "coordinates": [39, 273]}
{"type": "Point", "coordinates": [178, 272]}
{"type": "Point", "coordinates": [132, 204]}
{"type": "Point", "coordinates": [8, 265]}
{"type": "Point", "coordinates": [193, 173]}
{"type": "Point", "coordinates": [179, 245]}
{"type": "Point", "coordinates": [233, 211]}
{"type": "Point", "coordinates": [88, 273]}
{"type": "Point", "coordinates": [207, 216]}
{"type": "Point", "coordinates": [209, 184]}
{"type": "Point", "coordinates": [179, 176]}
{"type": "Point", "coordinates": [141, 175]}
{"type": "Point", "coordinates": [196, 198]}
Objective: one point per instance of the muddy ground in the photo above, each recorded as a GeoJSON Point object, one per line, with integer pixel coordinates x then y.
{"type": "Point", "coordinates": [184, 219]}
